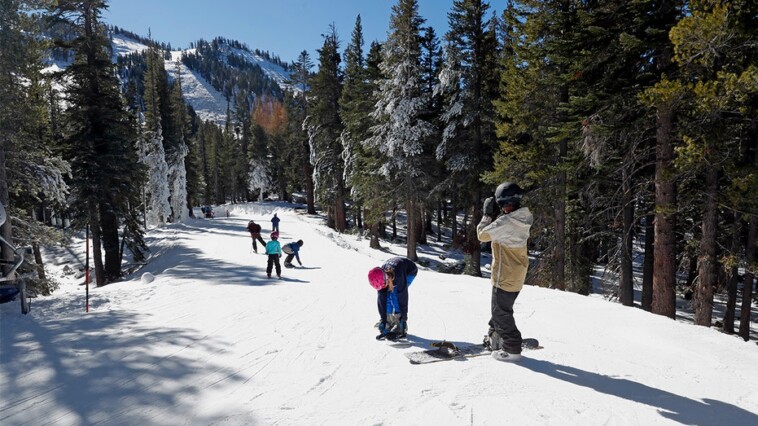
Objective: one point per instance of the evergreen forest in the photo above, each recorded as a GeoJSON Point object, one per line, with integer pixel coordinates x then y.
{"type": "Point", "coordinates": [632, 125]}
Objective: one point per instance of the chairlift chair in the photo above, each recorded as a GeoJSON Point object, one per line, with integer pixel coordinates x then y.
{"type": "Point", "coordinates": [11, 285]}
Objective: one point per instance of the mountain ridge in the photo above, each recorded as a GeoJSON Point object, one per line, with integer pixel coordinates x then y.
{"type": "Point", "coordinates": [211, 88]}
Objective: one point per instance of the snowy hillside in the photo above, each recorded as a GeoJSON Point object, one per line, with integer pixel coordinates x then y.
{"type": "Point", "coordinates": [212, 341]}
{"type": "Point", "coordinates": [273, 71]}
{"type": "Point", "coordinates": [209, 103]}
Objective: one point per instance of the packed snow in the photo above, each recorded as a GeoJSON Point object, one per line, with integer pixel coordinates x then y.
{"type": "Point", "coordinates": [200, 336]}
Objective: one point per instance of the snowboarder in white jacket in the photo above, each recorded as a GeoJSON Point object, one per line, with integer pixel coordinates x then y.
{"type": "Point", "coordinates": [508, 231]}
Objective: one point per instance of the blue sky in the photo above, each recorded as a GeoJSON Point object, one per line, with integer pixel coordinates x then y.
{"type": "Point", "coordinates": [283, 27]}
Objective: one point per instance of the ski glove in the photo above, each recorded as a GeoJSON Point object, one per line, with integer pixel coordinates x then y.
{"type": "Point", "coordinates": [489, 208]}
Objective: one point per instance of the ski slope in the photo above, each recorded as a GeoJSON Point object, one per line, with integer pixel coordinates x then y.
{"type": "Point", "coordinates": [212, 341]}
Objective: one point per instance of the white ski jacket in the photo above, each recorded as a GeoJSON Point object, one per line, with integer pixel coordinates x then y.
{"type": "Point", "coordinates": [508, 234]}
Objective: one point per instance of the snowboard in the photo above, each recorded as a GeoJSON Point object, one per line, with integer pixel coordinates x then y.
{"type": "Point", "coordinates": [445, 351]}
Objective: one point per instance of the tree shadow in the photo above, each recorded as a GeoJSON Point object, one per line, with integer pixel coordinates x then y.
{"type": "Point", "coordinates": [674, 407]}
{"type": "Point", "coordinates": [180, 261]}
{"type": "Point", "coordinates": [104, 367]}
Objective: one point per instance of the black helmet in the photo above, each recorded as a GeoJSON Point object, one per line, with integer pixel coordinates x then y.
{"type": "Point", "coordinates": [508, 193]}
{"type": "Point", "coordinates": [300, 243]}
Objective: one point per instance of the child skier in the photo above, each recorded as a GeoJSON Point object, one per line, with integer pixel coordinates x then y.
{"type": "Point", "coordinates": [275, 223]}
{"type": "Point", "coordinates": [292, 250]}
{"type": "Point", "coordinates": [274, 252]}
{"type": "Point", "coordinates": [255, 233]}
{"type": "Point", "coordinates": [391, 280]}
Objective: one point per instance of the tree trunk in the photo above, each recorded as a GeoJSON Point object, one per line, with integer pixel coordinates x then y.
{"type": "Point", "coordinates": [411, 229]}
{"type": "Point", "coordinates": [109, 226]}
{"type": "Point", "coordinates": [340, 220]}
{"type": "Point", "coordinates": [664, 271]}
{"type": "Point", "coordinates": [707, 261]}
{"type": "Point", "coordinates": [97, 251]}
{"type": "Point", "coordinates": [752, 234]}
{"type": "Point", "coordinates": [454, 224]}
{"type": "Point", "coordinates": [421, 223]}
{"type": "Point", "coordinates": [647, 268]}
{"type": "Point", "coordinates": [308, 174]}
{"type": "Point", "coordinates": [440, 206]}
{"type": "Point", "coordinates": [626, 292]}
{"type": "Point", "coordinates": [747, 290]}
{"type": "Point", "coordinates": [731, 286]}
{"type": "Point", "coordinates": [559, 265]}
{"type": "Point", "coordinates": [374, 243]}
{"type": "Point", "coordinates": [330, 222]}
{"type": "Point", "coordinates": [38, 261]}
{"type": "Point", "coordinates": [394, 223]}
{"type": "Point", "coordinates": [472, 246]}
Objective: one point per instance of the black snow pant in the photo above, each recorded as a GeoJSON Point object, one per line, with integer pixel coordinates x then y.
{"type": "Point", "coordinates": [273, 259]}
{"type": "Point", "coordinates": [503, 330]}
{"type": "Point", "coordinates": [257, 237]}
{"type": "Point", "coordinates": [288, 259]}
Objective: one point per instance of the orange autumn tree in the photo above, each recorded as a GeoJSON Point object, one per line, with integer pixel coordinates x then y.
{"type": "Point", "coordinates": [269, 152]}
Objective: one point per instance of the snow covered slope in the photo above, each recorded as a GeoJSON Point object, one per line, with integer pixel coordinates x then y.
{"type": "Point", "coordinates": [208, 102]}
{"type": "Point", "coordinates": [212, 341]}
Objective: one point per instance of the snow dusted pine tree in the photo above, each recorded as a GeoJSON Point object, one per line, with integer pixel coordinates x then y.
{"type": "Point", "coordinates": [151, 151]}
{"type": "Point", "coordinates": [324, 127]}
{"type": "Point", "coordinates": [177, 172]}
{"type": "Point", "coordinates": [177, 178]}
{"type": "Point", "coordinates": [401, 127]}
{"type": "Point", "coordinates": [259, 177]}
{"type": "Point", "coordinates": [468, 85]}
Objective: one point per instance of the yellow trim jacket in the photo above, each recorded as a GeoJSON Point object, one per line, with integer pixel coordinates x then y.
{"type": "Point", "coordinates": [508, 234]}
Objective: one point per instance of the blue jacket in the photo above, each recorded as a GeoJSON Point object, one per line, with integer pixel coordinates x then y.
{"type": "Point", "coordinates": [396, 301]}
{"type": "Point", "coordinates": [295, 249]}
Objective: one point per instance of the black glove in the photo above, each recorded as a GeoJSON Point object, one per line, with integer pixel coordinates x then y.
{"type": "Point", "coordinates": [489, 208]}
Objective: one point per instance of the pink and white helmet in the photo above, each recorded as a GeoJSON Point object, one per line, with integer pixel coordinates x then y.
{"type": "Point", "coordinates": [376, 278]}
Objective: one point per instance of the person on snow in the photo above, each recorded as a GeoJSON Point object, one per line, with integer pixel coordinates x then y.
{"type": "Point", "coordinates": [274, 252]}
{"type": "Point", "coordinates": [292, 250]}
{"type": "Point", "coordinates": [255, 233]}
{"type": "Point", "coordinates": [391, 280]}
{"type": "Point", "coordinates": [275, 223]}
{"type": "Point", "coordinates": [508, 231]}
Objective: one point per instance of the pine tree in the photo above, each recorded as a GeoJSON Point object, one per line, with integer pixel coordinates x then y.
{"type": "Point", "coordinates": [716, 80]}
{"type": "Point", "coordinates": [469, 81]}
{"type": "Point", "coordinates": [100, 137]}
{"type": "Point", "coordinates": [532, 151]}
{"type": "Point", "coordinates": [607, 73]}
{"type": "Point", "coordinates": [151, 149]}
{"type": "Point", "coordinates": [301, 75]}
{"type": "Point", "coordinates": [193, 161]}
{"type": "Point", "coordinates": [324, 128]}
{"type": "Point", "coordinates": [356, 104]}
{"type": "Point", "coordinates": [663, 99]}
{"type": "Point", "coordinates": [32, 173]}
{"type": "Point", "coordinates": [401, 128]}
{"type": "Point", "coordinates": [177, 151]}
